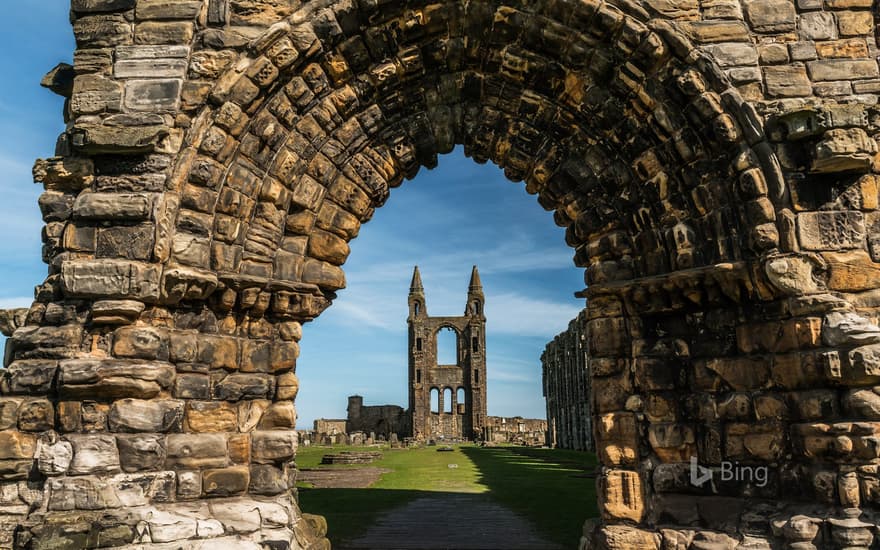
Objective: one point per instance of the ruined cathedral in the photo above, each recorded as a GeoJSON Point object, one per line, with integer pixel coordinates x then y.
{"type": "Point", "coordinates": [462, 418]}
{"type": "Point", "coordinates": [459, 389]}
{"type": "Point", "coordinates": [447, 401]}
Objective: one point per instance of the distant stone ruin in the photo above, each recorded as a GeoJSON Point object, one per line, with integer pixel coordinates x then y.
{"type": "Point", "coordinates": [567, 388]}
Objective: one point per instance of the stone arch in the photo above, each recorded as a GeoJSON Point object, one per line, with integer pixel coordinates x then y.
{"type": "Point", "coordinates": [435, 404]}
{"type": "Point", "coordinates": [194, 223]}
{"type": "Point", "coordinates": [447, 344]}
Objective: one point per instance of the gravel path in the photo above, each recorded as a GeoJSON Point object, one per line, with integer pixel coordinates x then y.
{"type": "Point", "coordinates": [450, 521]}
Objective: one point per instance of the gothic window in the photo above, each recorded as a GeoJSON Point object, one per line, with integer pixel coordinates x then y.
{"type": "Point", "coordinates": [435, 400]}
{"type": "Point", "coordinates": [447, 346]}
{"type": "Point", "coordinates": [447, 400]}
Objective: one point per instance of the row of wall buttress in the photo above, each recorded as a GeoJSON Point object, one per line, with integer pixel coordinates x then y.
{"type": "Point", "coordinates": [566, 369]}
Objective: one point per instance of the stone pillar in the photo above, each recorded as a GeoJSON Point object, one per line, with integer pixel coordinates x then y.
{"type": "Point", "coordinates": [567, 387]}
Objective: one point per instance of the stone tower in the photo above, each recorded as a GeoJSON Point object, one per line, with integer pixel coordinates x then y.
{"type": "Point", "coordinates": [467, 375]}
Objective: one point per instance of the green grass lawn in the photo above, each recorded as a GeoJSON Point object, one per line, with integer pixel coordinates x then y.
{"type": "Point", "coordinates": [544, 485]}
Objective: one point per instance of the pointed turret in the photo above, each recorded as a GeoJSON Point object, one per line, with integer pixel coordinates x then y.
{"type": "Point", "coordinates": [416, 284]}
{"type": "Point", "coordinates": [475, 295]}
{"type": "Point", "coordinates": [476, 285]}
{"type": "Point", "coordinates": [416, 300]}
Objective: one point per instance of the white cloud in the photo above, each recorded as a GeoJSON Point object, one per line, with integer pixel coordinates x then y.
{"type": "Point", "coordinates": [514, 313]}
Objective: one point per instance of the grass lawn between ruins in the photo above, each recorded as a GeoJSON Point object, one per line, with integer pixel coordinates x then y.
{"type": "Point", "coordinates": [553, 488]}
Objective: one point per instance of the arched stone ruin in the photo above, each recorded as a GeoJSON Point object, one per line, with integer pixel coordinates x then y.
{"type": "Point", "coordinates": [713, 163]}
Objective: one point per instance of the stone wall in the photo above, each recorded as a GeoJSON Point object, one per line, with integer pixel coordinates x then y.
{"type": "Point", "coordinates": [377, 420]}
{"type": "Point", "coordinates": [516, 430]}
{"type": "Point", "coordinates": [713, 164]}
{"type": "Point", "coordinates": [330, 426]}
{"type": "Point", "coordinates": [566, 378]}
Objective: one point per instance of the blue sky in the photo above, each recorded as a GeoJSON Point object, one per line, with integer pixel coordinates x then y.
{"type": "Point", "coordinates": [445, 220]}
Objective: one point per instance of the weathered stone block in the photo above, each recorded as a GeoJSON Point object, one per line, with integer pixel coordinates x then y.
{"type": "Point", "coordinates": [741, 373]}
{"type": "Point", "coordinates": [617, 439]}
{"type": "Point", "coordinates": [116, 312]}
{"type": "Point", "coordinates": [196, 451]}
{"type": "Point", "coordinates": [221, 352]}
{"type": "Point", "coordinates": [862, 403]}
{"type": "Point", "coordinates": [622, 495]}
{"type": "Point", "coordinates": [323, 274]}
{"type": "Point", "coordinates": [98, 6]}
{"type": "Point", "coordinates": [672, 442]}
{"type": "Point", "coordinates": [136, 415]}
{"type": "Point", "coordinates": [817, 26]}
{"type": "Point", "coordinates": [9, 412]}
{"type": "Point", "coordinates": [150, 68]}
{"type": "Point", "coordinates": [851, 271]}
{"type": "Point", "coordinates": [273, 446]}
{"type": "Point", "coordinates": [32, 377]}
{"type": "Point", "coordinates": [787, 81]}
{"type": "Point", "coordinates": [152, 95]}
{"type": "Point", "coordinates": [81, 493]}
{"type": "Point", "coordinates": [53, 455]}
{"type": "Point", "coordinates": [778, 337]}
{"type": "Point", "coordinates": [36, 415]}
{"type": "Point", "coordinates": [267, 480]}
{"type": "Point", "coordinates": [235, 387]}
{"type": "Point", "coordinates": [101, 31]}
{"type": "Point", "coordinates": [152, 32]}
{"type": "Point", "coordinates": [771, 16]}
{"type": "Point", "coordinates": [192, 386]}
{"type": "Point", "coordinates": [830, 230]}
{"type": "Point", "coordinates": [134, 242]}
{"type": "Point", "coordinates": [141, 343]}
{"type": "Point", "coordinates": [226, 481]}
{"type": "Point", "coordinates": [855, 23]}
{"type": "Point", "coordinates": [733, 54]}
{"type": "Point", "coordinates": [141, 452]}
{"type": "Point", "coordinates": [96, 139]}
{"type": "Point", "coordinates": [288, 386]}
{"type": "Point", "coordinates": [280, 415]}
{"type": "Point", "coordinates": [182, 283]}
{"type": "Point", "coordinates": [843, 151]}
{"type": "Point", "coordinates": [93, 454]}
{"type": "Point", "coordinates": [211, 416]}
{"type": "Point", "coordinates": [328, 247]}
{"type": "Point", "coordinates": [17, 451]}
{"type": "Point", "coordinates": [255, 356]}
{"type": "Point", "coordinates": [95, 94]}
{"type": "Point", "coordinates": [91, 378]}
{"type": "Point", "coordinates": [842, 69]}
{"type": "Point", "coordinates": [163, 9]}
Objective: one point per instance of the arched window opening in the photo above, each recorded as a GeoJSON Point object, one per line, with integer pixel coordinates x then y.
{"type": "Point", "coordinates": [418, 376]}
{"type": "Point", "coordinates": [476, 376]}
{"type": "Point", "coordinates": [418, 344]}
{"type": "Point", "coordinates": [475, 344]}
{"type": "Point", "coordinates": [417, 307]}
{"type": "Point", "coordinates": [447, 400]}
{"type": "Point", "coordinates": [447, 346]}
{"type": "Point", "coordinates": [460, 401]}
{"type": "Point", "coordinates": [476, 307]}
{"type": "Point", "coordinates": [435, 399]}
